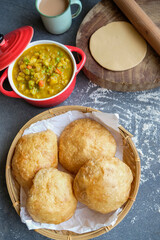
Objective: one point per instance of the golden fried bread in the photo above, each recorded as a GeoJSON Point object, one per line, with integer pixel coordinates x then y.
{"type": "Point", "coordinates": [103, 184]}
{"type": "Point", "coordinates": [51, 198]}
{"type": "Point", "coordinates": [82, 140]}
{"type": "Point", "coordinates": [33, 152]}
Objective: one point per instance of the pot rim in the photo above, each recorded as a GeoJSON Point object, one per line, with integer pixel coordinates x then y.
{"type": "Point", "coordinates": [39, 42]}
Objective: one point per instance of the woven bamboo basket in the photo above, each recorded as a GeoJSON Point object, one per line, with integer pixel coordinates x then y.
{"type": "Point", "coordinates": [130, 157]}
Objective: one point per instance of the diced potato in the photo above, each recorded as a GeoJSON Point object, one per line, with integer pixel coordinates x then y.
{"type": "Point", "coordinates": [47, 62]}
{"type": "Point", "coordinates": [60, 64]}
{"type": "Point", "coordinates": [28, 77]}
{"type": "Point", "coordinates": [21, 86]}
{"type": "Point", "coordinates": [37, 54]}
{"type": "Point", "coordinates": [51, 91]}
{"type": "Point", "coordinates": [38, 67]}
{"type": "Point", "coordinates": [19, 78]}
{"type": "Point", "coordinates": [53, 80]}
{"type": "Point", "coordinates": [37, 75]}
{"type": "Point", "coordinates": [42, 56]}
{"type": "Point", "coordinates": [39, 64]}
{"type": "Point", "coordinates": [21, 74]}
{"type": "Point", "coordinates": [26, 92]}
{"type": "Point", "coordinates": [33, 60]}
{"type": "Point", "coordinates": [22, 66]}
{"type": "Point", "coordinates": [33, 91]}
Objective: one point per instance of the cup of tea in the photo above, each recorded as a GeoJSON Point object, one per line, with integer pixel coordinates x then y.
{"type": "Point", "coordinates": [56, 14]}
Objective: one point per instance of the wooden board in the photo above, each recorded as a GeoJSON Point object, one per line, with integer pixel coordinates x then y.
{"type": "Point", "coordinates": [142, 77]}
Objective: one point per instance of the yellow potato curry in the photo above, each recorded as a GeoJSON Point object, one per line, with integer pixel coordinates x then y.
{"type": "Point", "coordinates": [42, 71]}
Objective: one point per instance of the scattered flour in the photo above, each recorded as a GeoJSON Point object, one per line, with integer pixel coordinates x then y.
{"type": "Point", "coordinates": [140, 114]}
{"type": "Point", "coordinates": [134, 219]}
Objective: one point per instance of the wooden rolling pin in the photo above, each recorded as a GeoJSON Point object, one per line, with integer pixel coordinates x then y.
{"type": "Point", "coordinates": [141, 21]}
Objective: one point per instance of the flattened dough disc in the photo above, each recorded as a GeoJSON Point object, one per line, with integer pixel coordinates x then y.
{"type": "Point", "coordinates": [145, 75]}
{"type": "Point", "coordinates": [118, 46]}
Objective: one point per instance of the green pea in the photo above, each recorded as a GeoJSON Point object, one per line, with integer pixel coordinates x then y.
{"type": "Point", "coordinates": [31, 84]}
{"type": "Point", "coordinates": [27, 71]}
{"type": "Point", "coordinates": [50, 67]}
{"type": "Point", "coordinates": [60, 54]}
{"type": "Point", "coordinates": [57, 59]}
{"type": "Point", "coordinates": [26, 60]}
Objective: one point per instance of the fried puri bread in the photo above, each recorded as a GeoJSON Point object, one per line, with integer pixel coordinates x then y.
{"type": "Point", "coordinates": [33, 152]}
{"type": "Point", "coordinates": [51, 199]}
{"type": "Point", "coordinates": [82, 140]}
{"type": "Point", "coordinates": [103, 185]}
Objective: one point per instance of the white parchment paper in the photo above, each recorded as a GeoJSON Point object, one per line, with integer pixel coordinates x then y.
{"type": "Point", "coordinates": [84, 220]}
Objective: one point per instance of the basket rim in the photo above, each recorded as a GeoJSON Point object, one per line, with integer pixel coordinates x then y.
{"type": "Point", "coordinates": [55, 234]}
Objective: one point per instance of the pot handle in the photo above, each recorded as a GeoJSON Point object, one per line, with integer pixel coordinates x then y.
{"type": "Point", "coordinates": [2, 90]}
{"type": "Point", "coordinates": [82, 54]}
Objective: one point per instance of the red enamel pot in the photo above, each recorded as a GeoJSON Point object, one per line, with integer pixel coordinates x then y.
{"type": "Point", "coordinates": [56, 99]}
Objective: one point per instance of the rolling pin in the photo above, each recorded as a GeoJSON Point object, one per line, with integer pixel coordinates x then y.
{"type": "Point", "coordinates": [141, 22]}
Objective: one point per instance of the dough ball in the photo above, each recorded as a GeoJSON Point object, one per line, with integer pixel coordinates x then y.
{"type": "Point", "coordinates": [51, 198]}
{"type": "Point", "coordinates": [118, 46]}
{"type": "Point", "coordinates": [103, 185]}
{"type": "Point", "coordinates": [82, 140]}
{"type": "Point", "coordinates": [33, 152]}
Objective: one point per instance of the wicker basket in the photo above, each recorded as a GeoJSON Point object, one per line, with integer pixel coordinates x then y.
{"type": "Point", "coordinates": [130, 156]}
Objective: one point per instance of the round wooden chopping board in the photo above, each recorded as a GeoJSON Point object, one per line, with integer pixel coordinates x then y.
{"type": "Point", "coordinates": [144, 76]}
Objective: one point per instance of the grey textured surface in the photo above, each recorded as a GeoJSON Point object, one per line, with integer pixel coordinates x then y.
{"type": "Point", "coordinates": [139, 113]}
